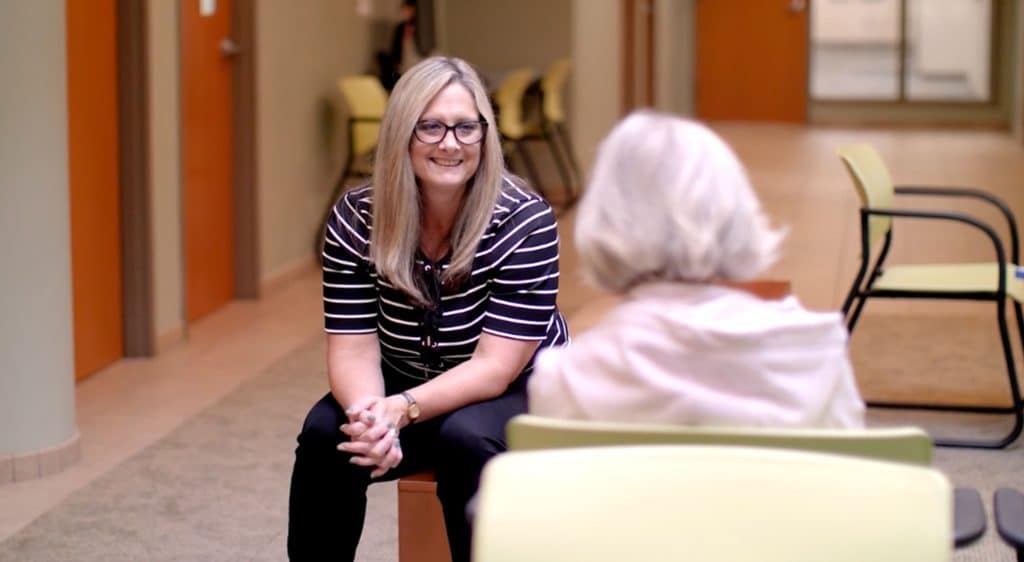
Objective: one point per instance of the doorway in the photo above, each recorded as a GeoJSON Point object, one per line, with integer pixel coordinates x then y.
{"type": "Point", "coordinates": [752, 60]}
{"type": "Point", "coordinates": [94, 183]}
{"type": "Point", "coordinates": [207, 156]}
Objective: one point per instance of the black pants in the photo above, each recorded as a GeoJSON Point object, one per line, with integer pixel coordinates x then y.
{"type": "Point", "coordinates": [328, 493]}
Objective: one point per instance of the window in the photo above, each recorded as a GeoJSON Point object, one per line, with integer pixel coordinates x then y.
{"type": "Point", "coordinates": [902, 50]}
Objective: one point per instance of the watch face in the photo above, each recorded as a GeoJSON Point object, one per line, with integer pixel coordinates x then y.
{"type": "Point", "coordinates": [414, 411]}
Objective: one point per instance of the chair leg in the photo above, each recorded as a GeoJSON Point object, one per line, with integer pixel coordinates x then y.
{"type": "Point", "coordinates": [848, 301]}
{"type": "Point", "coordinates": [861, 299]}
{"type": "Point", "coordinates": [1015, 408]}
{"type": "Point", "coordinates": [531, 170]}
{"type": "Point", "coordinates": [564, 136]}
{"type": "Point", "coordinates": [339, 187]}
{"type": "Point", "coordinates": [1018, 421]}
{"type": "Point", "coordinates": [563, 172]}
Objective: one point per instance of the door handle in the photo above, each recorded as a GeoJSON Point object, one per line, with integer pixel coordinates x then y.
{"type": "Point", "coordinates": [797, 6]}
{"type": "Point", "coordinates": [229, 48]}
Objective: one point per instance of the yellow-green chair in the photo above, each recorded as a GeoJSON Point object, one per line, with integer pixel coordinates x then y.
{"type": "Point", "coordinates": [553, 129]}
{"type": "Point", "coordinates": [518, 125]}
{"type": "Point", "coordinates": [708, 504]}
{"type": "Point", "coordinates": [513, 125]}
{"type": "Point", "coordinates": [366, 100]}
{"type": "Point", "coordinates": [903, 444]}
{"type": "Point", "coordinates": [909, 445]}
{"type": "Point", "coordinates": [993, 281]}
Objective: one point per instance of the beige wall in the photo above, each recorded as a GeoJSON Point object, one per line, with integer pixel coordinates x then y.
{"type": "Point", "coordinates": [37, 398]}
{"type": "Point", "coordinates": [596, 98]}
{"type": "Point", "coordinates": [164, 161]}
{"type": "Point", "coordinates": [1018, 99]}
{"type": "Point", "coordinates": [675, 35]}
{"type": "Point", "coordinates": [498, 35]}
{"type": "Point", "coordinates": [301, 52]}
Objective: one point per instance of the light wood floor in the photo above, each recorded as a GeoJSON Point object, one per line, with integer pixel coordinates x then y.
{"type": "Point", "coordinates": [798, 177]}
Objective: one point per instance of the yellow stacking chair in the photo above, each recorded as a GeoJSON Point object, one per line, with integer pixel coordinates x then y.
{"type": "Point", "coordinates": [708, 504]}
{"type": "Point", "coordinates": [993, 281]}
{"type": "Point", "coordinates": [366, 100]}
{"type": "Point", "coordinates": [554, 130]}
{"type": "Point", "coordinates": [513, 126]}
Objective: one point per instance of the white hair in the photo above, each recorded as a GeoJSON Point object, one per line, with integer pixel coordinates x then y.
{"type": "Point", "coordinates": [669, 201]}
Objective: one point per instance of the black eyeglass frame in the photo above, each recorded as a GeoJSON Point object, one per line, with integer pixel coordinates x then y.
{"type": "Point", "coordinates": [453, 129]}
{"type": "Point", "coordinates": [429, 348]}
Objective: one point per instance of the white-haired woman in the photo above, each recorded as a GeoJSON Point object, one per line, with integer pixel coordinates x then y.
{"type": "Point", "coordinates": [439, 281]}
{"type": "Point", "coordinates": [669, 217]}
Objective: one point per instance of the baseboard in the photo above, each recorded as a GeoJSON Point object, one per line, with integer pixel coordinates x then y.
{"type": "Point", "coordinates": [169, 339]}
{"type": "Point", "coordinates": [41, 463]}
{"type": "Point", "coordinates": [284, 275]}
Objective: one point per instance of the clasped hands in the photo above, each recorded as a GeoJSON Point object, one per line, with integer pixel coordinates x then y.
{"type": "Point", "coordinates": [372, 429]}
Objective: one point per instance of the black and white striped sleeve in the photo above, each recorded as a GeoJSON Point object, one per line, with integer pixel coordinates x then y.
{"type": "Point", "coordinates": [350, 293]}
{"type": "Point", "coordinates": [524, 282]}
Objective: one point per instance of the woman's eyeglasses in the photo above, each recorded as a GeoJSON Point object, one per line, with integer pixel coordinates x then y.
{"type": "Point", "coordinates": [430, 353]}
{"type": "Point", "coordinates": [431, 131]}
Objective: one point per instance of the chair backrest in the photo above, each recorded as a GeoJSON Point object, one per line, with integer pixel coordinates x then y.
{"type": "Point", "coordinates": [874, 185]}
{"type": "Point", "coordinates": [903, 444]}
{"type": "Point", "coordinates": [552, 86]}
{"type": "Point", "coordinates": [366, 100]}
{"type": "Point", "coordinates": [509, 98]}
{"type": "Point", "coordinates": [708, 504]}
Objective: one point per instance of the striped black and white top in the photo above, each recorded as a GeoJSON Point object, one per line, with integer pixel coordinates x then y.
{"type": "Point", "coordinates": [511, 291]}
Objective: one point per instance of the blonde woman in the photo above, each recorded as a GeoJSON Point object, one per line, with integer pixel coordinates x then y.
{"type": "Point", "coordinates": [668, 215]}
{"type": "Point", "coordinates": [439, 281]}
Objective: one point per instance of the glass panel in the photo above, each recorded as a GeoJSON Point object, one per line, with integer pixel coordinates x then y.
{"type": "Point", "coordinates": [948, 49]}
{"type": "Point", "coordinates": [855, 49]}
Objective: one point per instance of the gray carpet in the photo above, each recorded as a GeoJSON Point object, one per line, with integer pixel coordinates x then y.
{"type": "Point", "coordinates": [216, 488]}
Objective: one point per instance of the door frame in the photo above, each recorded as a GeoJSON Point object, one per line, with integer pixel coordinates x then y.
{"type": "Point", "coordinates": [637, 13]}
{"type": "Point", "coordinates": [135, 173]}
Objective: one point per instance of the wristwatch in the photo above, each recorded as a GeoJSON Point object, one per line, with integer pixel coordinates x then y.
{"type": "Point", "coordinates": [413, 411]}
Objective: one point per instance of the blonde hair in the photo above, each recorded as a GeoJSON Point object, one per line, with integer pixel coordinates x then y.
{"type": "Point", "coordinates": [669, 201]}
{"type": "Point", "coordinates": [396, 198]}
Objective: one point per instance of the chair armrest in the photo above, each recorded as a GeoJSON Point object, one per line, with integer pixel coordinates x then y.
{"type": "Point", "coordinates": [968, 516]}
{"type": "Point", "coordinates": [955, 217]}
{"type": "Point", "coordinates": [1008, 505]}
{"type": "Point", "coordinates": [973, 194]}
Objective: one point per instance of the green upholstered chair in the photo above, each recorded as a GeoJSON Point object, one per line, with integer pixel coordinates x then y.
{"type": "Point", "coordinates": [903, 444]}
{"type": "Point", "coordinates": [909, 445]}
{"type": "Point", "coordinates": [704, 503]}
{"type": "Point", "coordinates": [992, 281]}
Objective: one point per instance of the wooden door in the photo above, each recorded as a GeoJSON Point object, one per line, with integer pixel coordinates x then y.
{"type": "Point", "coordinates": [207, 156]}
{"type": "Point", "coordinates": [94, 184]}
{"type": "Point", "coordinates": [752, 58]}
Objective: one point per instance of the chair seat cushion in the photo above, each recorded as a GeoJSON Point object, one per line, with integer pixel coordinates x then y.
{"type": "Point", "coordinates": [957, 277]}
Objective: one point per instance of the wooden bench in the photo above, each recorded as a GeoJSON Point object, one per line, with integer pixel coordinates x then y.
{"type": "Point", "coordinates": [421, 534]}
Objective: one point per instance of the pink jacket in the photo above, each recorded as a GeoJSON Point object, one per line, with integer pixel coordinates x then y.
{"type": "Point", "coordinates": [703, 355]}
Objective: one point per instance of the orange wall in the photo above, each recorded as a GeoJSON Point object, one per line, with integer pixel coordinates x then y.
{"type": "Point", "coordinates": [94, 184]}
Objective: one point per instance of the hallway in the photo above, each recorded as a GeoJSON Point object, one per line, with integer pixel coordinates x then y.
{"type": "Point", "coordinates": [135, 403]}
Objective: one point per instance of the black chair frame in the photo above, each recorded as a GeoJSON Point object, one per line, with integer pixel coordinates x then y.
{"type": "Point", "coordinates": [860, 291]}
{"type": "Point", "coordinates": [339, 185]}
